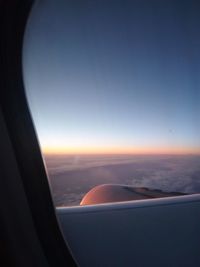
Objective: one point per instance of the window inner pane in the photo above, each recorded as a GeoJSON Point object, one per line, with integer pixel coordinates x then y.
{"type": "Point", "coordinates": [114, 91]}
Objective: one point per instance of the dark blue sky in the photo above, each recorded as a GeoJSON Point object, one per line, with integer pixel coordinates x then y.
{"type": "Point", "coordinates": [114, 74]}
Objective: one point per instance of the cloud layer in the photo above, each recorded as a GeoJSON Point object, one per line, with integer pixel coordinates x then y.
{"type": "Point", "coordinates": [72, 177]}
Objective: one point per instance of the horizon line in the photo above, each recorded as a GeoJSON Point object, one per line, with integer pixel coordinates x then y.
{"type": "Point", "coordinates": [128, 153]}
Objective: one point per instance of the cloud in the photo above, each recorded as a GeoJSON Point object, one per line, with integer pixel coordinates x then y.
{"type": "Point", "coordinates": [70, 182]}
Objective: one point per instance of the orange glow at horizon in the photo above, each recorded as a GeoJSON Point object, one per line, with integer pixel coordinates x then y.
{"type": "Point", "coordinates": [121, 150]}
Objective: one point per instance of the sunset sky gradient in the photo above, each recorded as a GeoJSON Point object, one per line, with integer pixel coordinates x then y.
{"type": "Point", "coordinates": [115, 76]}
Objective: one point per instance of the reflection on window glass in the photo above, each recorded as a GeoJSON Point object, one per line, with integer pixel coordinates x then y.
{"type": "Point", "coordinates": [114, 91]}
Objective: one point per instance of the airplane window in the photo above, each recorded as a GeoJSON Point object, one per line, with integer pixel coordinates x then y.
{"type": "Point", "coordinates": [114, 91]}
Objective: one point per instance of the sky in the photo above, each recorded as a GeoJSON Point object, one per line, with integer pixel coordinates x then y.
{"type": "Point", "coordinates": [114, 76]}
